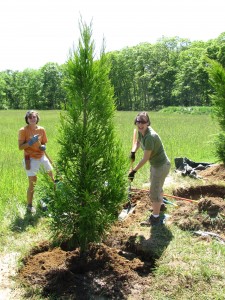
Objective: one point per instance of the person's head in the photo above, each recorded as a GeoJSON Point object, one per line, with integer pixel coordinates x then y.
{"type": "Point", "coordinates": [142, 118]}
{"type": "Point", "coordinates": [30, 115]}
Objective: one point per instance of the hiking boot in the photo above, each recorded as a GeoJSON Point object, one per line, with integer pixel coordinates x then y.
{"type": "Point", "coordinates": [151, 221]}
{"type": "Point", "coordinates": [31, 209]}
{"type": "Point", "coordinates": [155, 220]}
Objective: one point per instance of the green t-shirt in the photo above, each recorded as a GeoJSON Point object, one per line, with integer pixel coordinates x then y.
{"type": "Point", "coordinates": [151, 141]}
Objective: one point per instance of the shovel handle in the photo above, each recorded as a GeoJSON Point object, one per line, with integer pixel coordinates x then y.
{"type": "Point", "coordinates": [134, 139]}
{"type": "Point", "coordinates": [46, 153]}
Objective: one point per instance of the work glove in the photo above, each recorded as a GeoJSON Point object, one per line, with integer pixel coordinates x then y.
{"type": "Point", "coordinates": [42, 147]}
{"type": "Point", "coordinates": [131, 175]}
{"type": "Point", "coordinates": [132, 156]}
{"type": "Point", "coordinates": [33, 140]}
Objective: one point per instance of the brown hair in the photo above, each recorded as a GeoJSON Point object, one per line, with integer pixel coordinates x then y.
{"type": "Point", "coordinates": [30, 112]}
{"type": "Point", "coordinates": [143, 116]}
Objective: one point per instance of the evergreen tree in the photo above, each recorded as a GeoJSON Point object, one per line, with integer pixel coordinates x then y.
{"type": "Point", "coordinates": [91, 162]}
{"type": "Point", "coordinates": [217, 81]}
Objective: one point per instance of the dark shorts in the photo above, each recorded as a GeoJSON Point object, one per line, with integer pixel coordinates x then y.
{"type": "Point", "coordinates": [157, 179]}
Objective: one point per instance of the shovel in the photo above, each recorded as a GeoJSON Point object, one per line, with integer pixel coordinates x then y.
{"type": "Point", "coordinates": [169, 202]}
{"type": "Point", "coordinates": [129, 206]}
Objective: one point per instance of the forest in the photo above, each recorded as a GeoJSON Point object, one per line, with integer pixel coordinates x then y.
{"type": "Point", "coordinates": [171, 72]}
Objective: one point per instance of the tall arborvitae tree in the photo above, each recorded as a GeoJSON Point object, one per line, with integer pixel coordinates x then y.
{"type": "Point", "coordinates": [217, 80]}
{"type": "Point", "coordinates": [91, 162]}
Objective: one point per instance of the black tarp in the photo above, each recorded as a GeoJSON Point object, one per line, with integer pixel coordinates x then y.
{"type": "Point", "coordinates": [188, 167]}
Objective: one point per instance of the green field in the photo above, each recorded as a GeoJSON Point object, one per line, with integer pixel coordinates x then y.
{"type": "Point", "coordinates": [189, 136]}
{"type": "Point", "coordinates": [183, 136]}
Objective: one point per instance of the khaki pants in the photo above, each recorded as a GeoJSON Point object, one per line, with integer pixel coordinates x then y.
{"type": "Point", "coordinates": [157, 179]}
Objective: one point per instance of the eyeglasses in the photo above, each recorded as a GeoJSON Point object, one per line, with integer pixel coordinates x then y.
{"type": "Point", "coordinates": [140, 122]}
{"type": "Point", "coordinates": [32, 117]}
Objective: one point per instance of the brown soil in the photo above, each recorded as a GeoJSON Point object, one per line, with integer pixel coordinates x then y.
{"type": "Point", "coordinates": [121, 266]}
{"type": "Point", "coordinates": [214, 173]}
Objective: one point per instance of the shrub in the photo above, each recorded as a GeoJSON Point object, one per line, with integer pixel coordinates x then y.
{"type": "Point", "coordinates": [217, 81]}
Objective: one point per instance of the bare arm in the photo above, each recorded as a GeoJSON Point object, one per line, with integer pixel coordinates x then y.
{"type": "Point", "coordinates": [146, 157]}
{"type": "Point", "coordinates": [136, 146]}
{"type": "Point", "coordinates": [23, 145]}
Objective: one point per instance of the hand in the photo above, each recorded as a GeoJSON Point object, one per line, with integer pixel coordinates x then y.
{"type": "Point", "coordinates": [42, 147]}
{"type": "Point", "coordinates": [33, 140]}
{"type": "Point", "coordinates": [132, 156]}
{"type": "Point", "coordinates": [131, 175]}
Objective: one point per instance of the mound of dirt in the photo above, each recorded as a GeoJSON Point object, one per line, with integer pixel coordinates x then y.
{"type": "Point", "coordinates": [100, 271]}
{"type": "Point", "coordinates": [121, 266]}
{"type": "Point", "coordinates": [209, 212]}
{"type": "Point", "coordinates": [213, 173]}
{"type": "Point", "coordinates": [114, 269]}
{"type": "Point", "coordinates": [207, 215]}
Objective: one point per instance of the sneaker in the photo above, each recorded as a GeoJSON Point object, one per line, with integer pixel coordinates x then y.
{"type": "Point", "coordinates": [151, 221]}
{"type": "Point", "coordinates": [155, 220]}
{"type": "Point", "coordinates": [31, 209]}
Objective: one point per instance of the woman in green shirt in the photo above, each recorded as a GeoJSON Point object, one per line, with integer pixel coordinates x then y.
{"type": "Point", "coordinates": [154, 152]}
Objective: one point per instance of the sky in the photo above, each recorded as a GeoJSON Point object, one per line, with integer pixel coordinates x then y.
{"type": "Point", "coordinates": [35, 32]}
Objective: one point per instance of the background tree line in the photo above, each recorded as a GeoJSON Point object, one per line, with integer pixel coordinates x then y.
{"type": "Point", "coordinates": [171, 72]}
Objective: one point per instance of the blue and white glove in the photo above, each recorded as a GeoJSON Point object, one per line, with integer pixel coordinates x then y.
{"type": "Point", "coordinates": [33, 140]}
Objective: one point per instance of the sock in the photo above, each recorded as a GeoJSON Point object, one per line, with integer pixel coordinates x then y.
{"type": "Point", "coordinates": [155, 216]}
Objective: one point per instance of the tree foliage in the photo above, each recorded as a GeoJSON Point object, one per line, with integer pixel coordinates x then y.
{"type": "Point", "coordinates": [36, 89]}
{"type": "Point", "coordinates": [217, 80]}
{"type": "Point", "coordinates": [170, 72]}
{"type": "Point", "coordinates": [91, 162]}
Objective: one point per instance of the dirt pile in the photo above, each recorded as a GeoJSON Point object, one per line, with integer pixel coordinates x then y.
{"type": "Point", "coordinates": [207, 215]}
{"type": "Point", "coordinates": [109, 269]}
{"type": "Point", "coordinates": [100, 271]}
{"type": "Point", "coordinates": [214, 173]}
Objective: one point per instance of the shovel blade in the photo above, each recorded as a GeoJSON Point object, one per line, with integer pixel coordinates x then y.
{"type": "Point", "coordinates": [125, 212]}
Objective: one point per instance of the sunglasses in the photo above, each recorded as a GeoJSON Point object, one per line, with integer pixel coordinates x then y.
{"type": "Point", "coordinates": [32, 117]}
{"type": "Point", "coordinates": [140, 122]}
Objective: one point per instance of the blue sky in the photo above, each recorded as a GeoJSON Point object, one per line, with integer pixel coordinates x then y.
{"type": "Point", "coordinates": [34, 32]}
